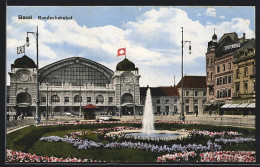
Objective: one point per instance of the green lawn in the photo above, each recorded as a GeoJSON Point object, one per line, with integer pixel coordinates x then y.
{"type": "Point", "coordinates": [62, 149]}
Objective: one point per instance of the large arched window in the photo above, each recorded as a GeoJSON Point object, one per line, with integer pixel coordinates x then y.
{"type": "Point", "coordinates": [55, 98]}
{"type": "Point", "coordinates": [127, 98]}
{"type": "Point", "coordinates": [75, 70]}
{"type": "Point", "coordinates": [24, 97]}
{"type": "Point", "coordinates": [99, 99]}
{"type": "Point", "coordinates": [77, 98]}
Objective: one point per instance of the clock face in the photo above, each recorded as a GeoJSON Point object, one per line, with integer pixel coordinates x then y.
{"type": "Point", "coordinates": [24, 77]}
{"type": "Point", "coordinates": [127, 79]}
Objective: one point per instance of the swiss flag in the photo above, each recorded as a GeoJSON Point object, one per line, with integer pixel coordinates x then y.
{"type": "Point", "coordinates": [121, 52]}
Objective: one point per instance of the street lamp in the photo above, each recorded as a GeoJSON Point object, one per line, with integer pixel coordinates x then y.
{"type": "Point", "coordinates": [47, 100]}
{"type": "Point", "coordinates": [80, 99]}
{"type": "Point", "coordinates": [182, 117]}
{"type": "Point", "coordinates": [36, 34]}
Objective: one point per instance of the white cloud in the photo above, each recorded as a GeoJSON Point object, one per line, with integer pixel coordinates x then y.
{"type": "Point", "coordinates": [208, 22]}
{"type": "Point", "coordinates": [222, 17]}
{"type": "Point", "coordinates": [153, 42]}
{"type": "Point", "coordinates": [211, 12]}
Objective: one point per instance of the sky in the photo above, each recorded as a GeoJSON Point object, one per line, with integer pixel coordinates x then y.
{"type": "Point", "coordinates": [151, 34]}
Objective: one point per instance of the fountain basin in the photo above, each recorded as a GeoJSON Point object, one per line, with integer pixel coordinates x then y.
{"type": "Point", "coordinates": [156, 135]}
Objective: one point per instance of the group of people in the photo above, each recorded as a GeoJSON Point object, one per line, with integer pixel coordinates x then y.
{"type": "Point", "coordinates": [18, 156]}
{"type": "Point", "coordinates": [228, 156]}
{"type": "Point", "coordinates": [14, 117]}
{"type": "Point", "coordinates": [176, 157]}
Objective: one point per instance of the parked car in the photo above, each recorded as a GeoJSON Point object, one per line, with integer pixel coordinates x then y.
{"type": "Point", "coordinates": [67, 114]}
{"type": "Point", "coordinates": [105, 117]}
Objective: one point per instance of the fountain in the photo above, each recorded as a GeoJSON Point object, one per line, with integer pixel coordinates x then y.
{"type": "Point", "coordinates": [148, 126]}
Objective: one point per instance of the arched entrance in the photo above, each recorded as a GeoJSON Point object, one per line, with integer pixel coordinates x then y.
{"type": "Point", "coordinates": [24, 98]}
{"type": "Point", "coordinates": [24, 101]}
{"type": "Point", "coordinates": [127, 104]}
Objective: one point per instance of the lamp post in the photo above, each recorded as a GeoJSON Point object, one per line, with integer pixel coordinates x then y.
{"type": "Point", "coordinates": [182, 117]}
{"type": "Point", "coordinates": [80, 98]}
{"type": "Point", "coordinates": [36, 34]}
{"type": "Point", "coordinates": [134, 95]}
{"type": "Point", "coordinates": [120, 112]}
{"type": "Point", "coordinates": [47, 102]}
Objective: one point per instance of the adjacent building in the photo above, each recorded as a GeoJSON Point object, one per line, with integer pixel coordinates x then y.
{"type": "Point", "coordinates": [165, 100]}
{"type": "Point", "coordinates": [194, 89]}
{"type": "Point", "coordinates": [230, 70]}
{"type": "Point", "coordinates": [219, 66]}
{"type": "Point", "coordinates": [245, 74]}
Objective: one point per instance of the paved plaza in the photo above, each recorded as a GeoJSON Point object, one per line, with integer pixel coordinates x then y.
{"type": "Point", "coordinates": [225, 120]}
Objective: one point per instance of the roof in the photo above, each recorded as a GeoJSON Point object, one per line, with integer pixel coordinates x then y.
{"type": "Point", "coordinates": [125, 65]}
{"type": "Point", "coordinates": [24, 62]}
{"type": "Point", "coordinates": [160, 91]}
{"type": "Point", "coordinates": [248, 45]}
{"type": "Point", "coordinates": [193, 82]}
{"type": "Point", "coordinates": [233, 36]}
{"type": "Point", "coordinates": [90, 106]}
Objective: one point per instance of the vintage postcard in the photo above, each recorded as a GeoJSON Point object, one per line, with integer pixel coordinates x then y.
{"type": "Point", "coordinates": [130, 84]}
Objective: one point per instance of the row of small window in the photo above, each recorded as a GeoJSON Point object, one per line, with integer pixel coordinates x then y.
{"type": "Point", "coordinates": [195, 101]}
{"type": "Point", "coordinates": [166, 101]}
{"type": "Point", "coordinates": [226, 79]}
{"type": "Point", "coordinates": [187, 108]}
{"type": "Point", "coordinates": [237, 87]}
{"type": "Point", "coordinates": [245, 72]}
{"type": "Point", "coordinates": [77, 98]}
{"type": "Point", "coordinates": [211, 62]}
{"type": "Point", "coordinates": [224, 93]}
{"type": "Point", "coordinates": [167, 109]}
{"type": "Point", "coordinates": [223, 67]}
{"type": "Point", "coordinates": [187, 93]}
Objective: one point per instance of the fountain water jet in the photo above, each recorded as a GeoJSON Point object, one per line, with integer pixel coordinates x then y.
{"type": "Point", "coordinates": [148, 131]}
{"type": "Point", "coordinates": [148, 118]}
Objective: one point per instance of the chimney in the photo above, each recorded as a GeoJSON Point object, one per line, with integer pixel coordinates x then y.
{"type": "Point", "coordinates": [174, 80]}
{"type": "Point", "coordinates": [244, 36]}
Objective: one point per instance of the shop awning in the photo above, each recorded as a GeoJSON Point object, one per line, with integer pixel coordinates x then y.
{"type": "Point", "coordinates": [127, 104]}
{"type": "Point", "coordinates": [225, 105]}
{"type": "Point", "coordinates": [243, 105]}
{"type": "Point", "coordinates": [251, 105]}
{"type": "Point", "coordinates": [233, 106]}
{"type": "Point", "coordinates": [90, 106]}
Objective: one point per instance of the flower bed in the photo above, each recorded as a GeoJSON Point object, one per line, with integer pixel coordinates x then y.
{"type": "Point", "coordinates": [228, 156]}
{"type": "Point", "coordinates": [212, 134]}
{"type": "Point", "coordinates": [88, 144]}
{"type": "Point", "coordinates": [18, 156]}
{"type": "Point", "coordinates": [182, 156]}
{"type": "Point", "coordinates": [110, 122]}
{"type": "Point", "coordinates": [235, 140]}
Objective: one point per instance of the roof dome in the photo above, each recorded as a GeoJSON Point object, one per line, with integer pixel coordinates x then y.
{"type": "Point", "coordinates": [214, 36]}
{"type": "Point", "coordinates": [125, 65]}
{"type": "Point", "coordinates": [24, 62]}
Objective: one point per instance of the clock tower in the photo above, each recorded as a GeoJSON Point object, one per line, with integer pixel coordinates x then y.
{"type": "Point", "coordinates": [23, 86]}
{"type": "Point", "coordinates": [126, 84]}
